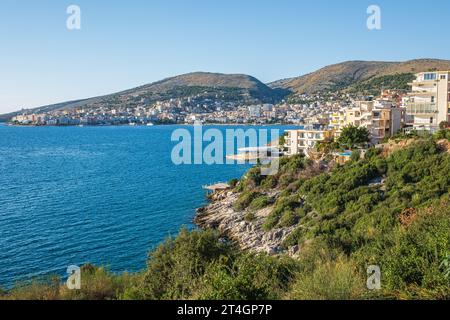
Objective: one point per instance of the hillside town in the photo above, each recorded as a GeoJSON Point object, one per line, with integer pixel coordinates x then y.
{"type": "Point", "coordinates": [425, 108]}
{"type": "Point", "coordinates": [187, 110]}
{"type": "Point", "coordinates": [319, 116]}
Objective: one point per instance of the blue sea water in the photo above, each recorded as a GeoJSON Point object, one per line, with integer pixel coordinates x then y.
{"type": "Point", "coordinates": [103, 195]}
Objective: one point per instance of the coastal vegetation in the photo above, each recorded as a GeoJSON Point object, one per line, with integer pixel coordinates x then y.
{"type": "Point", "coordinates": [353, 137]}
{"type": "Point", "coordinates": [389, 208]}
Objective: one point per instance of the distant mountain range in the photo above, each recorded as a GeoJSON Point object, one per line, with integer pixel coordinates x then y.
{"type": "Point", "coordinates": [226, 87]}
{"type": "Point", "coordinates": [367, 76]}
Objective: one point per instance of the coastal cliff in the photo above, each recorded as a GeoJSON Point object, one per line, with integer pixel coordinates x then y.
{"type": "Point", "coordinates": [248, 235]}
{"type": "Point", "coordinates": [349, 207]}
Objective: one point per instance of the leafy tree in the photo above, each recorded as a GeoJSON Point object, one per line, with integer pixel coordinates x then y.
{"type": "Point", "coordinates": [353, 136]}
{"type": "Point", "coordinates": [327, 146]}
{"type": "Point", "coordinates": [444, 125]}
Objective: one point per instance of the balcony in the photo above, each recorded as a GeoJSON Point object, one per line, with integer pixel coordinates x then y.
{"type": "Point", "coordinates": [380, 124]}
{"type": "Point", "coordinates": [422, 93]}
{"type": "Point", "coordinates": [421, 108]}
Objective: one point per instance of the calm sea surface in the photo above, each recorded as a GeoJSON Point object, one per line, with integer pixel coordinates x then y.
{"type": "Point", "coordinates": [104, 195]}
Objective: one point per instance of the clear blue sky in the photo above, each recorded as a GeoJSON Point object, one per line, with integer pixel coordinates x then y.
{"type": "Point", "coordinates": [123, 44]}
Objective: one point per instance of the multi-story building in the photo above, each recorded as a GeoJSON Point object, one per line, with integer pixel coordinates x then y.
{"type": "Point", "coordinates": [429, 102]}
{"type": "Point", "coordinates": [381, 117]}
{"type": "Point", "coordinates": [305, 138]}
{"type": "Point", "coordinates": [385, 122]}
{"type": "Point", "coordinates": [337, 120]}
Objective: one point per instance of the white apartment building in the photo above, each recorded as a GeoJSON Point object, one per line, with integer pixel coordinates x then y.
{"type": "Point", "coordinates": [429, 102]}
{"type": "Point", "coordinates": [380, 117]}
{"type": "Point", "coordinates": [305, 138]}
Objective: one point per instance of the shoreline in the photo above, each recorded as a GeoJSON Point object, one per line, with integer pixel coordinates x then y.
{"type": "Point", "coordinates": [220, 215]}
{"type": "Point", "coordinates": [155, 125]}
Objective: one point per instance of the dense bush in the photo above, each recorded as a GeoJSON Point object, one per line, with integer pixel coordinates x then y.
{"type": "Point", "coordinates": [332, 280]}
{"type": "Point", "coordinates": [175, 269]}
{"type": "Point", "coordinates": [198, 265]}
{"type": "Point", "coordinates": [443, 134]}
{"type": "Point", "coordinates": [260, 202]}
{"type": "Point", "coordinates": [249, 276]}
{"type": "Point", "coordinates": [245, 199]}
{"type": "Point", "coordinates": [284, 207]}
{"type": "Point", "coordinates": [96, 284]}
{"type": "Point", "coordinates": [413, 264]}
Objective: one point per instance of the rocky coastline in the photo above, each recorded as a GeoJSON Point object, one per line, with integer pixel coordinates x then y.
{"type": "Point", "coordinates": [220, 215]}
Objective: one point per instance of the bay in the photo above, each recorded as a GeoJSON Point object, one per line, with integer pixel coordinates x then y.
{"type": "Point", "coordinates": [103, 195]}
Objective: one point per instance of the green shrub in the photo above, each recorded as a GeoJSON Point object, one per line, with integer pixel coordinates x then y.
{"type": "Point", "coordinates": [245, 199]}
{"type": "Point", "coordinates": [283, 206]}
{"type": "Point", "coordinates": [250, 216]}
{"type": "Point", "coordinates": [356, 155]}
{"type": "Point", "coordinates": [415, 259]}
{"type": "Point", "coordinates": [269, 183]}
{"type": "Point", "coordinates": [249, 277]}
{"type": "Point", "coordinates": [289, 218]}
{"type": "Point", "coordinates": [337, 280]}
{"type": "Point", "coordinates": [96, 284]}
{"type": "Point", "coordinates": [175, 268]}
{"type": "Point", "coordinates": [260, 202]}
{"type": "Point", "coordinates": [38, 289]}
{"type": "Point", "coordinates": [233, 183]}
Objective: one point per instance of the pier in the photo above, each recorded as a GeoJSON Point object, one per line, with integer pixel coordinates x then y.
{"type": "Point", "coordinates": [219, 186]}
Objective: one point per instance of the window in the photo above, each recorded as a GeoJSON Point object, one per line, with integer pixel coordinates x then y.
{"type": "Point", "coordinates": [443, 77]}
{"type": "Point", "coordinates": [432, 99]}
{"type": "Point", "coordinates": [430, 76]}
{"type": "Point", "coordinates": [431, 120]}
